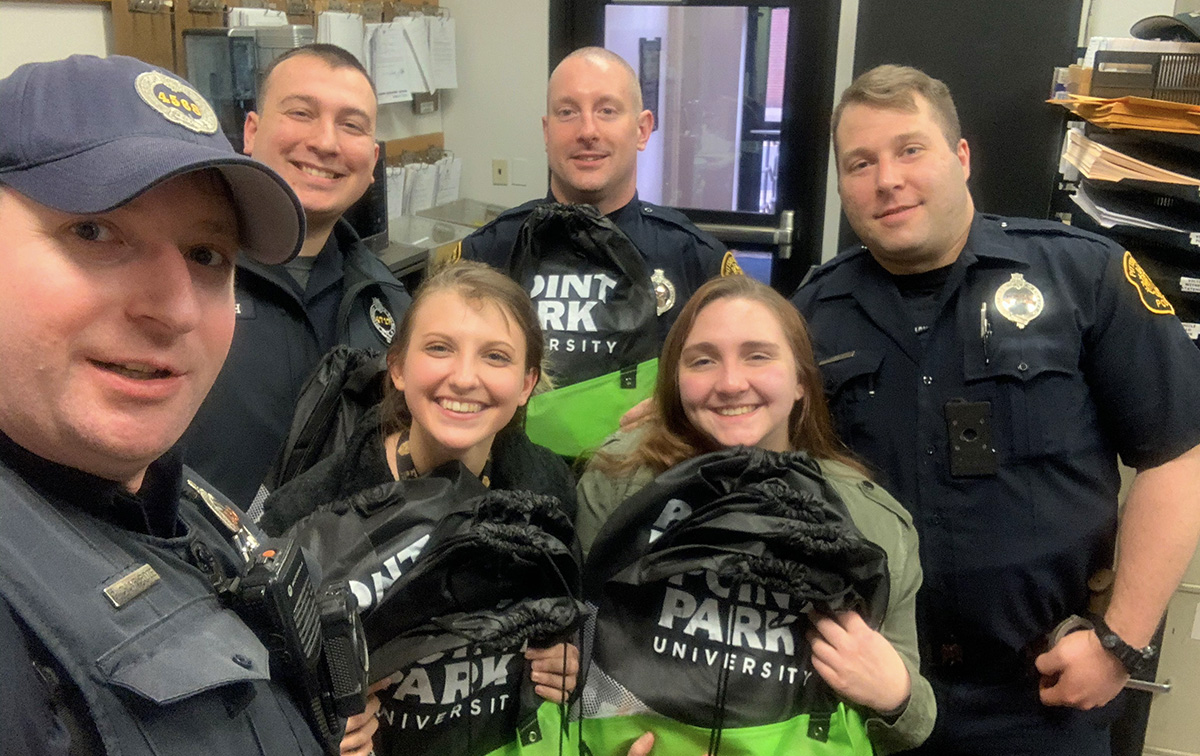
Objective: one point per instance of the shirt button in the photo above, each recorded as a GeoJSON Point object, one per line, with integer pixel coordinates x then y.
{"type": "Point", "coordinates": [1003, 224]}
{"type": "Point", "coordinates": [929, 450]}
{"type": "Point", "coordinates": [868, 485]}
{"type": "Point", "coordinates": [927, 380]}
{"type": "Point", "coordinates": [1023, 367]}
{"type": "Point", "coordinates": [242, 661]}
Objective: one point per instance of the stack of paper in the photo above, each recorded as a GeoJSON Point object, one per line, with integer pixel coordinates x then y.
{"type": "Point", "coordinates": [1096, 161]}
{"type": "Point", "coordinates": [420, 186]}
{"type": "Point", "coordinates": [1135, 113]}
{"type": "Point", "coordinates": [410, 54]}
{"type": "Point", "coordinates": [1113, 209]}
{"type": "Point", "coordinates": [344, 30]}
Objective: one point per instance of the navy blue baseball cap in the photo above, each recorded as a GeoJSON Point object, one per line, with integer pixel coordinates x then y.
{"type": "Point", "coordinates": [1182, 27]}
{"type": "Point", "coordinates": [86, 135]}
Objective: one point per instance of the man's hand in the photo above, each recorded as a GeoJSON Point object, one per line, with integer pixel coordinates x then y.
{"type": "Point", "coordinates": [637, 414]}
{"type": "Point", "coordinates": [1079, 673]}
{"type": "Point", "coordinates": [553, 671]}
{"type": "Point", "coordinates": [858, 662]}
{"type": "Point", "coordinates": [360, 728]}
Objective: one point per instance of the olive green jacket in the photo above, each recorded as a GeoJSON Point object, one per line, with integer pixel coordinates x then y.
{"type": "Point", "coordinates": [879, 517]}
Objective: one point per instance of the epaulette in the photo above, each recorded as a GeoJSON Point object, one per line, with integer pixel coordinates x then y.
{"type": "Point", "coordinates": [1032, 226]}
{"type": "Point", "coordinates": [841, 258]}
{"type": "Point", "coordinates": [522, 209]}
{"type": "Point", "coordinates": [674, 218]}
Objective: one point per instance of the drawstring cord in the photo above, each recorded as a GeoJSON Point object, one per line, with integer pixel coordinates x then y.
{"type": "Point", "coordinates": [718, 726]}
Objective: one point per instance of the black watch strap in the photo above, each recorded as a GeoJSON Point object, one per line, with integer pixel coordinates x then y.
{"type": "Point", "coordinates": [1133, 659]}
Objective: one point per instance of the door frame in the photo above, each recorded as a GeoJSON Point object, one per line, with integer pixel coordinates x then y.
{"type": "Point", "coordinates": [804, 128]}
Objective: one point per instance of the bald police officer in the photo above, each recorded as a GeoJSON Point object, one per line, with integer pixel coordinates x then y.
{"type": "Point", "coordinates": [594, 127]}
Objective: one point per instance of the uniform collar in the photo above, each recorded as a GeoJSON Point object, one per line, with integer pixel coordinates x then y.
{"type": "Point", "coordinates": [987, 244]}
{"type": "Point", "coordinates": [326, 271]}
{"type": "Point", "coordinates": [153, 510]}
{"type": "Point", "coordinates": [625, 212]}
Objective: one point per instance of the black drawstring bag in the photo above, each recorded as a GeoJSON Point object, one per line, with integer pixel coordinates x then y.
{"type": "Point", "coordinates": [589, 284]}
{"type": "Point", "coordinates": [704, 582]}
{"type": "Point", "coordinates": [458, 580]}
{"type": "Point", "coordinates": [345, 384]}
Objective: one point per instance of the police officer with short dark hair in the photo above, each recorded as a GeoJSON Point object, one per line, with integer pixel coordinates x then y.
{"type": "Point", "coordinates": [122, 212]}
{"type": "Point", "coordinates": [993, 369]}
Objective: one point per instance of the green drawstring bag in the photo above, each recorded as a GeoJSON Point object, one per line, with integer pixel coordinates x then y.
{"type": "Point", "coordinates": [575, 419]}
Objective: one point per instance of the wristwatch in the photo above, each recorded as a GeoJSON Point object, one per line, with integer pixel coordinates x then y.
{"type": "Point", "coordinates": [1133, 659]}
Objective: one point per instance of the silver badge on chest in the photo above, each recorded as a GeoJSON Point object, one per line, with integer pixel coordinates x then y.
{"type": "Point", "coordinates": [664, 291]}
{"type": "Point", "coordinates": [1019, 301]}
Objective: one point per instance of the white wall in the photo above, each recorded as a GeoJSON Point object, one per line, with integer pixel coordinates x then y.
{"type": "Point", "coordinates": [31, 32]}
{"type": "Point", "coordinates": [502, 58]}
{"type": "Point", "coordinates": [497, 110]}
{"type": "Point", "coordinates": [1112, 18]}
{"type": "Point", "coordinates": [495, 113]}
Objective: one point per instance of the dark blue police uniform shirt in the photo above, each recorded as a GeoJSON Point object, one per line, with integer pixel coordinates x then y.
{"type": "Point", "coordinates": [281, 334]}
{"type": "Point", "coordinates": [666, 238]}
{"type": "Point", "coordinates": [33, 722]}
{"type": "Point", "coordinates": [1096, 374]}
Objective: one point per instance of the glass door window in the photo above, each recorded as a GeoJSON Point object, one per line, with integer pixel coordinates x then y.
{"type": "Point", "coordinates": [716, 88]}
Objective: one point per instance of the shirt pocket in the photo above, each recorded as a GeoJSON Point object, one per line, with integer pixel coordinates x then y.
{"type": "Point", "coordinates": [1039, 400]}
{"type": "Point", "coordinates": [850, 384]}
{"type": "Point", "coordinates": [197, 681]}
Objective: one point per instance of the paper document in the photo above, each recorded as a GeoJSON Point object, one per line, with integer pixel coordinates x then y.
{"type": "Point", "coordinates": [449, 174]}
{"type": "Point", "coordinates": [346, 30]}
{"type": "Point", "coordinates": [442, 53]}
{"type": "Point", "coordinates": [395, 191]}
{"type": "Point", "coordinates": [1134, 113]}
{"type": "Point", "coordinates": [421, 183]}
{"type": "Point", "coordinates": [416, 35]}
{"type": "Point", "coordinates": [391, 63]}
{"type": "Point", "coordinates": [1113, 210]}
{"type": "Point", "coordinates": [1097, 161]}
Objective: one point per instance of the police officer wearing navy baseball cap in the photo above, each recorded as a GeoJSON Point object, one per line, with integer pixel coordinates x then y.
{"type": "Point", "coordinates": [122, 212]}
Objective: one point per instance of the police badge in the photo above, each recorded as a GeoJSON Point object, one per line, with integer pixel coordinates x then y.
{"type": "Point", "coordinates": [382, 320]}
{"type": "Point", "coordinates": [1019, 301]}
{"type": "Point", "coordinates": [664, 291]}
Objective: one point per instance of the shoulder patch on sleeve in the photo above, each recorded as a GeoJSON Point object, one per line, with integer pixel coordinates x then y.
{"type": "Point", "coordinates": [1149, 292]}
{"type": "Point", "coordinates": [730, 267]}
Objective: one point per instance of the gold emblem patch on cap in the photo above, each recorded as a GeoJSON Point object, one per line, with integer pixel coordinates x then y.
{"type": "Point", "coordinates": [730, 267]}
{"type": "Point", "coordinates": [1019, 301]}
{"type": "Point", "coordinates": [664, 291]}
{"type": "Point", "coordinates": [1147, 290]}
{"type": "Point", "coordinates": [176, 101]}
